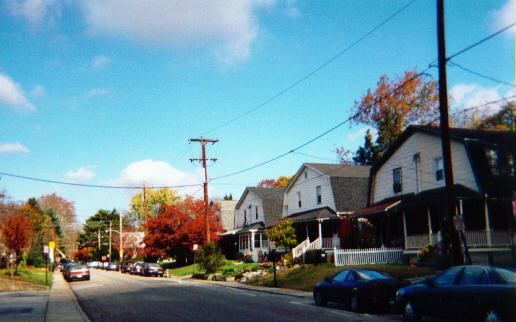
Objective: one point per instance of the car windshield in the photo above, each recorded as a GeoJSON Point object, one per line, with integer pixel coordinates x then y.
{"type": "Point", "coordinates": [372, 275]}
{"type": "Point", "coordinates": [153, 265]}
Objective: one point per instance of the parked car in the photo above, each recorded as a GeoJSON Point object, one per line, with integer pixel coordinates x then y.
{"type": "Point", "coordinates": [59, 266]}
{"type": "Point", "coordinates": [152, 269]}
{"type": "Point", "coordinates": [74, 271]}
{"type": "Point", "coordinates": [358, 288]}
{"type": "Point", "coordinates": [104, 265]}
{"type": "Point", "coordinates": [469, 292]}
{"type": "Point", "coordinates": [113, 266]}
{"type": "Point", "coordinates": [92, 264]}
{"type": "Point", "coordinates": [126, 268]}
{"type": "Point", "coordinates": [137, 268]}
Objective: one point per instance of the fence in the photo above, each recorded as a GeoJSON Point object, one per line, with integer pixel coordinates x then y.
{"type": "Point", "coordinates": [368, 256]}
{"type": "Point", "coordinates": [301, 248]}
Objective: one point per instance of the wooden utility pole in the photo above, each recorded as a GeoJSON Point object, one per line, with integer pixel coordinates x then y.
{"type": "Point", "coordinates": [449, 234]}
{"type": "Point", "coordinates": [110, 223]}
{"type": "Point", "coordinates": [121, 251]}
{"type": "Point", "coordinates": [203, 142]}
{"type": "Point", "coordinates": [145, 207]}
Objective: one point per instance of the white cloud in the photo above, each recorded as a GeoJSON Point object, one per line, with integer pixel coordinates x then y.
{"type": "Point", "coordinates": [466, 96]}
{"type": "Point", "coordinates": [34, 12]}
{"type": "Point", "coordinates": [13, 148]}
{"type": "Point", "coordinates": [82, 174]}
{"type": "Point", "coordinates": [13, 96]}
{"type": "Point", "coordinates": [37, 91]}
{"type": "Point", "coordinates": [504, 16]}
{"type": "Point", "coordinates": [159, 174]}
{"type": "Point", "coordinates": [227, 27]}
{"type": "Point", "coordinates": [97, 92]}
{"type": "Point", "coordinates": [100, 61]}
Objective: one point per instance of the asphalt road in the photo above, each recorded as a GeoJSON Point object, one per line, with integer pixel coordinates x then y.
{"type": "Point", "coordinates": [112, 296]}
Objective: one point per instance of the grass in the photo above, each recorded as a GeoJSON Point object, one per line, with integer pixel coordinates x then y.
{"type": "Point", "coordinates": [28, 274]}
{"type": "Point", "coordinates": [305, 277]}
{"type": "Point", "coordinates": [229, 268]}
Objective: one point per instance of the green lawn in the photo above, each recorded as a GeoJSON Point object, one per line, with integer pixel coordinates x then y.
{"type": "Point", "coordinates": [305, 277]}
{"type": "Point", "coordinates": [33, 275]}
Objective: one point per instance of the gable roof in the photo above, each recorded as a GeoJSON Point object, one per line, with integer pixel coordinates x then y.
{"type": "Point", "coordinates": [333, 170]}
{"type": "Point", "coordinates": [456, 134]}
{"type": "Point", "coordinates": [272, 201]}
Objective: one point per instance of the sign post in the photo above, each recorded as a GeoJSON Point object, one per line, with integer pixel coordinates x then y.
{"type": "Point", "coordinates": [45, 252]}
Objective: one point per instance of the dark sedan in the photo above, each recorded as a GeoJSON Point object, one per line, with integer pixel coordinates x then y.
{"type": "Point", "coordinates": [78, 272]}
{"type": "Point", "coordinates": [474, 292]}
{"type": "Point", "coordinates": [361, 289]}
{"type": "Point", "coordinates": [127, 267]}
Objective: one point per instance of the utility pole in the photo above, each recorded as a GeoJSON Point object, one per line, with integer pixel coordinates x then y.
{"type": "Point", "coordinates": [449, 234]}
{"type": "Point", "coordinates": [203, 142]}
{"type": "Point", "coordinates": [121, 252]}
{"type": "Point", "coordinates": [98, 234]}
{"type": "Point", "coordinates": [110, 223]}
{"type": "Point", "coordinates": [145, 207]}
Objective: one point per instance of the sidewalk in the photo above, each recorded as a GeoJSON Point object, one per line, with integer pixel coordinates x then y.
{"type": "Point", "coordinates": [62, 303]}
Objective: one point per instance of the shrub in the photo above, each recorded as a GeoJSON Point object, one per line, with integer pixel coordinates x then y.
{"type": "Point", "coordinates": [314, 256]}
{"type": "Point", "coordinates": [210, 258]}
{"type": "Point", "coordinates": [168, 265]}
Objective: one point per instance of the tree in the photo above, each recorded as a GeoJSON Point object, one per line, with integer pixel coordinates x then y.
{"type": "Point", "coordinates": [15, 231]}
{"type": "Point", "coordinates": [367, 154]}
{"type": "Point", "coordinates": [281, 182]}
{"type": "Point", "coordinates": [96, 228]}
{"type": "Point", "coordinates": [210, 258]}
{"type": "Point", "coordinates": [156, 200]}
{"type": "Point", "coordinates": [174, 231]}
{"type": "Point", "coordinates": [393, 106]}
{"type": "Point", "coordinates": [228, 197]}
{"type": "Point", "coordinates": [283, 235]}
{"type": "Point", "coordinates": [503, 120]}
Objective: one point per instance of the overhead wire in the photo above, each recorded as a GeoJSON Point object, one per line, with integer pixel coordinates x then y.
{"type": "Point", "coordinates": [454, 64]}
{"type": "Point", "coordinates": [314, 71]}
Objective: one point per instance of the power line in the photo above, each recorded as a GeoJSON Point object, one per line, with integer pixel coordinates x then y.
{"type": "Point", "coordinates": [454, 64]}
{"type": "Point", "coordinates": [327, 131]}
{"type": "Point", "coordinates": [317, 69]}
{"type": "Point", "coordinates": [91, 185]}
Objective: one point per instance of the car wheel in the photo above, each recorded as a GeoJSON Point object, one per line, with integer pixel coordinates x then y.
{"type": "Point", "coordinates": [492, 315]}
{"type": "Point", "coordinates": [320, 299]}
{"type": "Point", "coordinates": [410, 313]}
{"type": "Point", "coordinates": [355, 304]}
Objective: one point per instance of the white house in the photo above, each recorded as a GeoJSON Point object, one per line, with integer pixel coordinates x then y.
{"type": "Point", "coordinates": [319, 194]}
{"type": "Point", "coordinates": [408, 198]}
{"type": "Point", "coordinates": [257, 208]}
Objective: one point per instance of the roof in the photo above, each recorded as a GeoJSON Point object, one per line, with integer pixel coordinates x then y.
{"type": "Point", "coordinates": [379, 208]}
{"type": "Point", "coordinates": [272, 201]}
{"type": "Point", "coordinates": [456, 134]}
{"type": "Point", "coordinates": [311, 215]}
{"type": "Point", "coordinates": [341, 170]}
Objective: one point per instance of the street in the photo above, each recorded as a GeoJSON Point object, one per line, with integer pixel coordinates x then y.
{"type": "Point", "coordinates": [112, 296]}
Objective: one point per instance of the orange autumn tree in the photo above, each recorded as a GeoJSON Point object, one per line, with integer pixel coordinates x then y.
{"type": "Point", "coordinates": [391, 107]}
{"type": "Point", "coordinates": [174, 231]}
{"type": "Point", "coordinates": [16, 233]}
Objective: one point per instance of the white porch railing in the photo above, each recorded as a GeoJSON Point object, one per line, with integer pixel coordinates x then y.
{"type": "Point", "coordinates": [301, 248]}
{"type": "Point", "coordinates": [368, 256]}
{"type": "Point", "coordinates": [327, 243]}
{"type": "Point", "coordinates": [474, 239]}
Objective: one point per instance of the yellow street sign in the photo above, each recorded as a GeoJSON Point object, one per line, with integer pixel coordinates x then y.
{"type": "Point", "coordinates": [51, 244]}
{"type": "Point", "coordinates": [121, 253]}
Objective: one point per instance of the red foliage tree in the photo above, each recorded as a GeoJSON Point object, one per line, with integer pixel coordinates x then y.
{"type": "Point", "coordinates": [174, 231]}
{"type": "Point", "coordinates": [15, 231]}
{"type": "Point", "coordinates": [83, 254]}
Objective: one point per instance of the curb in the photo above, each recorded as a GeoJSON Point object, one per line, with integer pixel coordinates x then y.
{"type": "Point", "coordinates": [62, 304]}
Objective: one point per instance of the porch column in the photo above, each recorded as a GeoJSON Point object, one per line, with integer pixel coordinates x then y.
{"type": "Point", "coordinates": [404, 227]}
{"type": "Point", "coordinates": [430, 232]}
{"type": "Point", "coordinates": [251, 246]}
{"type": "Point", "coordinates": [488, 224]}
{"type": "Point", "coordinates": [320, 233]}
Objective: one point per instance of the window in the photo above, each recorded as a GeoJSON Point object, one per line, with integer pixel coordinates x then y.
{"type": "Point", "coordinates": [245, 217]}
{"type": "Point", "coordinates": [256, 208]}
{"type": "Point", "coordinates": [299, 199]}
{"type": "Point", "coordinates": [396, 180]}
{"type": "Point", "coordinates": [306, 175]}
{"type": "Point", "coordinates": [439, 169]}
{"type": "Point", "coordinates": [318, 194]}
{"type": "Point", "coordinates": [257, 240]}
{"type": "Point", "coordinates": [472, 275]}
{"type": "Point", "coordinates": [244, 242]}
{"type": "Point", "coordinates": [340, 276]}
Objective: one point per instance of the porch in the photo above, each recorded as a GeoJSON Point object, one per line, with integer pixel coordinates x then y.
{"type": "Point", "coordinates": [475, 239]}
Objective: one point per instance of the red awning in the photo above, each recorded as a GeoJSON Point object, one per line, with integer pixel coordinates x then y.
{"type": "Point", "coordinates": [376, 209]}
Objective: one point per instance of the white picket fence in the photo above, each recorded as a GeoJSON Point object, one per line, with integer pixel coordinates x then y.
{"type": "Point", "coordinates": [367, 256]}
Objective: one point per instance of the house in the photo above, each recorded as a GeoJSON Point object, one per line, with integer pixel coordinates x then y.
{"type": "Point", "coordinates": [319, 194]}
{"type": "Point", "coordinates": [257, 208]}
{"type": "Point", "coordinates": [407, 197]}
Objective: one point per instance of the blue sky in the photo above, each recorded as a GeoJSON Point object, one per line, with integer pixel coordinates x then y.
{"type": "Point", "coordinates": [108, 92]}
